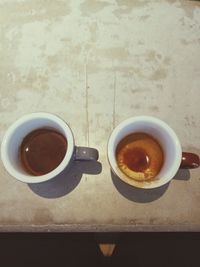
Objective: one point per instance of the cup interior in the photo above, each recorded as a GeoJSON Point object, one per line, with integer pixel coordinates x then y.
{"type": "Point", "coordinates": [15, 135]}
{"type": "Point", "coordinates": [162, 133]}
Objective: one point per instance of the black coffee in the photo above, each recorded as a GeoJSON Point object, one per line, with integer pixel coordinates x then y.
{"type": "Point", "coordinates": [42, 151]}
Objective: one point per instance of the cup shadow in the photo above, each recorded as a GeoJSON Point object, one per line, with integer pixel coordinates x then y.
{"type": "Point", "coordinates": [182, 174]}
{"type": "Point", "coordinates": [135, 194]}
{"type": "Point", "coordinates": [66, 182]}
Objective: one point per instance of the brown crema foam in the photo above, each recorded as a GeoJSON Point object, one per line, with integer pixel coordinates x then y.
{"type": "Point", "coordinates": [140, 156]}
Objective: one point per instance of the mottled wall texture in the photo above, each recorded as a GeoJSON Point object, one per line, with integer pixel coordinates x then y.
{"type": "Point", "coordinates": [96, 63]}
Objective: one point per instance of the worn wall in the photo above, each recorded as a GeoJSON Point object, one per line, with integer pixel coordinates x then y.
{"type": "Point", "coordinates": [96, 63]}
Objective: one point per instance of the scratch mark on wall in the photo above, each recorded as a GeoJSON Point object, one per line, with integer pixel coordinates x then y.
{"type": "Point", "coordinates": [114, 100]}
{"type": "Point", "coordinates": [86, 105]}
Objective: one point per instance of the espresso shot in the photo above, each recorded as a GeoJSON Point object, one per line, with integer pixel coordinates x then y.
{"type": "Point", "coordinates": [140, 156]}
{"type": "Point", "coordinates": [42, 150]}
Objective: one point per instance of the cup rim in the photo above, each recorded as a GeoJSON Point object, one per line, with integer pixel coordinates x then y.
{"type": "Point", "coordinates": [27, 178]}
{"type": "Point", "coordinates": [148, 184]}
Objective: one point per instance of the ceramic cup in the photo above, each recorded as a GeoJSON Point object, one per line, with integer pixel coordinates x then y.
{"type": "Point", "coordinates": [26, 124]}
{"type": "Point", "coordinates": [174, 158]}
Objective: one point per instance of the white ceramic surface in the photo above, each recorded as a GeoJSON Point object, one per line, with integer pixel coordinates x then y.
{"type": "Point", "coordinates": [14, 136]}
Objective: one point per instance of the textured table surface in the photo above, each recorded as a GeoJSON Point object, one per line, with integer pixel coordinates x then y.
{"type": "Point", "coordinates": [96, 63]}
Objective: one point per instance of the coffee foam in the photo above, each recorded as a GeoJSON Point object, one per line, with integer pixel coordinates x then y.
{"type": "Point", "coordinates": [150, 148]}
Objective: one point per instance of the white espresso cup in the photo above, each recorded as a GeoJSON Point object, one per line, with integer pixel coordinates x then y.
{"type": "Point", "coordinates": [174, 158]}
{"type": "Point", "coordinates": [28, 123]}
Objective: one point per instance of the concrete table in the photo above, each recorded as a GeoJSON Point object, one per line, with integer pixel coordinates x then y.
{"type": "Point", "coordinates": [96, 63]}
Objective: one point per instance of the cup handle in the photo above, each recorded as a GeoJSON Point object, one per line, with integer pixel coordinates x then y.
{"type": "Point", "coordinates": [86, 154]}
{"type": "Point", "coordinates": [189, 161]}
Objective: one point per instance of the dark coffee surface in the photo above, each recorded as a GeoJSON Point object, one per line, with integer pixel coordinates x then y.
{"type": "Point", "coordinates": [136, 159]}
{"type": "Point", "coordinates": [42, 151]}
{"type": "Point", "coordinates": [139, 156]}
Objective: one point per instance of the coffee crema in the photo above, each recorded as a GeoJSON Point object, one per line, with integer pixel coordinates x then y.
{"type": "Point", "coordinates": [42, 150]}
{"type": "Point", "coordinates": [139, 156]}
